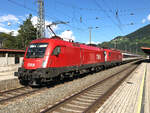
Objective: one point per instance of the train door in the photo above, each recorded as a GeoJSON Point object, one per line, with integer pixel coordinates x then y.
{"type": "Point", "coordinates": [56, 57]}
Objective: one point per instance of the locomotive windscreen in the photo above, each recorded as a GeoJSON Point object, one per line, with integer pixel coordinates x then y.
{"type": "Point", "coordinates": [36, 50]}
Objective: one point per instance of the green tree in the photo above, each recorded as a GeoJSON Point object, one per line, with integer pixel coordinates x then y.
{"type": "Point", "coordinates": [27, 33]}
{"type": "Point", "coordinates": [9, 41]}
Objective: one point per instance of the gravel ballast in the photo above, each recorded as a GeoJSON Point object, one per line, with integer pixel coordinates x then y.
{"type": "Point", "coordinates": [36, 102]}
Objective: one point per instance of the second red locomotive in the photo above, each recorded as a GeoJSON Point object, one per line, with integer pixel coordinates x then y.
{"type": "Point", "coordinates": [50, 58]}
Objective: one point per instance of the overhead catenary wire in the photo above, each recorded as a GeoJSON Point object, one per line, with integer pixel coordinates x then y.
{"type": "Point", "coordinates": [74, 19]}
{"type": "Point", "coordinates": [70, 25]}
{"type": "Point", "coordinates": [109, 17]}
{"type": "Point", "coordinates": [118, 19]}
{"type": "Point", "coordinates": [116, 14]}
{"type": "Point", "coordinates": [35, 11]}
{"type": "Point", "coordinates": [97, 9]}
{"type": "Point", "coordinates": [117, 23]}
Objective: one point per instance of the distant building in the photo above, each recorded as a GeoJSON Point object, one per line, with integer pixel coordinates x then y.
{"type": "Point", "coordinates": [11, 56]}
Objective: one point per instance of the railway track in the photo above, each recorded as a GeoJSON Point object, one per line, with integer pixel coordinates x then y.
{"type": "Point", "coordinates": [9, 95]}
{"type": "Point", "coordinates": [87, 99]}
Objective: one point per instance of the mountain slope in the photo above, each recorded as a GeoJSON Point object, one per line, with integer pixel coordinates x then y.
{"type": "Point", "coordinates": [131, 42]}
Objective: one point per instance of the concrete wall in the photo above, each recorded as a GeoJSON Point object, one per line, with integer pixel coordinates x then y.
{"type": "Point", "coordinates": [5, 61]}
{"type": "Point", "coordinates": [11, 60]}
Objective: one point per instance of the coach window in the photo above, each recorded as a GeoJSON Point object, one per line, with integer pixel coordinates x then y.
{"type": "Point", "coordinates": [56, 51]}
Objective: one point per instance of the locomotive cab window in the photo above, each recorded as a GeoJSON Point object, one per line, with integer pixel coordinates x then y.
{"type": "Point", "coordinates": [56, 51]}
{"type": "Point", "coordinates": [36, 50]}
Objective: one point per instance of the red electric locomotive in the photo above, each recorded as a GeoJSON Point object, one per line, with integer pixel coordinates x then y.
{"type": "Point", "coordinates": [112, 57]}
{"type": "Point", "coordinates": [50, 58]}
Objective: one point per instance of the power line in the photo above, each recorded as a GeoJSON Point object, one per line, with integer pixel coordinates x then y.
{"type": "Point", "coordinates": [81, 17]}
{"type": "Point", "coordinates": [25, 7]}
{"type": "Point", "coordinates": [116, 14]}
{"type": "Point", "coordinates": [118, 19]}
{"type": "Point", "coordinates": [55, 18]}
{"type": "Point", "coordinates": [74, 17]}
{"type": "Point", "coordinates": [109, 17]}
{"type": "Point", "coordinates": [97, 9]}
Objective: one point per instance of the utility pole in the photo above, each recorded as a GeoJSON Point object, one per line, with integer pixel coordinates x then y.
{"type": "Point", "coordinates": [40, 20]}
{"type": "Point", "coordinates": [90, 29]}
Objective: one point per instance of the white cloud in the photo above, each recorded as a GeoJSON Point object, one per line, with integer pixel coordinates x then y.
{"type": "Point", "coordinates": [14, 32]}
{"type": "Point", "coordinates": [4, 30]}
{"type": "Point", "coordinates": [34, 22]}
{"type": "Point", "coordinates": [54, 27]}
{"type": "Point", "coordinates": [47, 32]}
{"type": "Point", "coordinates": [148, 17]}
{"type": "Point", "coordinates": [66, 35]}
{"type": "Point", "coordinates": [143, 21]}
{"type": "Point", "coordinates": [2, 25]}
{"type": "Point", "coordinates": [23, 18]}
{"type": "Point", "coordinates": [8, 18]}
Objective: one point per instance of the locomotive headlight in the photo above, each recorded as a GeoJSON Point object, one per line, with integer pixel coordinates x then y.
{"type": "Point", "coordinates": [44, 64]}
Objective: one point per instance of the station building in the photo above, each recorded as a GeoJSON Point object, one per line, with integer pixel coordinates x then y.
{"type": "Point", "coordinates": [11, 56]}
{"type": "Point", "coordinates": [146, 50]}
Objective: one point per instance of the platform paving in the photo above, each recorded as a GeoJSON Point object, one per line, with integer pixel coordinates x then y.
{"type": "Point", "coordinates": [133, 96]}
{"type": "Point", "coordinates": [147, 91]}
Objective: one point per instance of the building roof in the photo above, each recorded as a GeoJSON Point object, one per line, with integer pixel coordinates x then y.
{"type": "Point", "coordinates": [11, 50]}
{"type": "Point", "coordinates": [146, 50]}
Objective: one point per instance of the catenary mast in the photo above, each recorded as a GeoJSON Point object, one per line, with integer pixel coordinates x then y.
{"type": "Point", "coordinates": [41, 20]}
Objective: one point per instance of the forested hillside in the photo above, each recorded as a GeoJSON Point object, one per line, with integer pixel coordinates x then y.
{"type": "Point", "coordinates": [131, 42]}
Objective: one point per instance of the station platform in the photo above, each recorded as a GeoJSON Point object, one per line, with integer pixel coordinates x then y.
{"type": "Point", "coordinates": [133, 96]}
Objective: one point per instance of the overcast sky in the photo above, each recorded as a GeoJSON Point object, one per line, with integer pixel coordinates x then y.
{"type": "Point", "coordinates": [108, 18]}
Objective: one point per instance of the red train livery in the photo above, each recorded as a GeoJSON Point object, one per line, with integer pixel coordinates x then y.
{"type": "Point", "coordinates": [112, 57]}
{"type": "Point", "coordinates": [50, 58]}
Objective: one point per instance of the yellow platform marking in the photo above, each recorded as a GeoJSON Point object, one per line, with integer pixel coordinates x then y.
{"type": "Point", "coordinates": [141, 91]}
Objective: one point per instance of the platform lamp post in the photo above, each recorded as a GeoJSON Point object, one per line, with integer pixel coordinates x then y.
{"type": "Point", "coordinates": [90, 30]}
